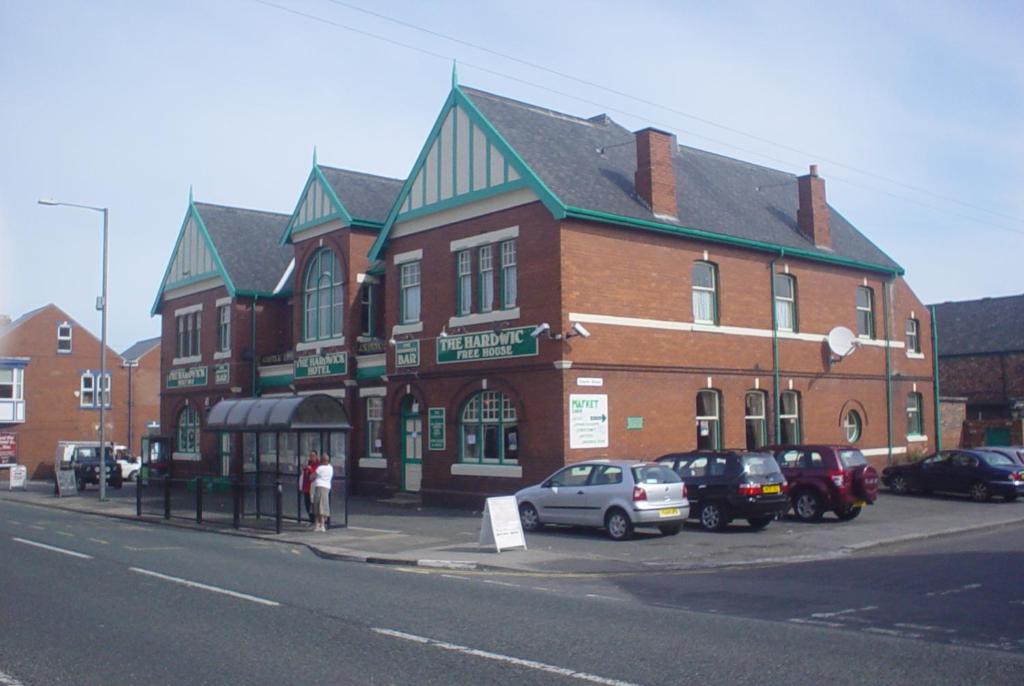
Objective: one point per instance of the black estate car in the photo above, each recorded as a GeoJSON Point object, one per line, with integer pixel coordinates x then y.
{"type": "Point", "coordinates": [731, 484]}
{"type": "Point", "coordinates": [978, 473]}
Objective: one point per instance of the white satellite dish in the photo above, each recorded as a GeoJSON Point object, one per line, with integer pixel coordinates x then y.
{"type": "Point", "coordinates": [841, 341]}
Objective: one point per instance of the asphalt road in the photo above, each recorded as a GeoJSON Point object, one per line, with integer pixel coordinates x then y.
{"type": "Point", "coordinates": [158, 605]}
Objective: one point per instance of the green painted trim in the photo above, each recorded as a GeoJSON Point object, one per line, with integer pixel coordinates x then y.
{"type": "Point", "coordinates": [340, 212]}
{"type": "Point", "coordinates": [888, 366]}
{"type": "Point", "coordinates": [263, 294]}
{"type": "Point", "coordinates": [192, 279]}
{"type": "Point", "coordinates": [155, 309]}
{"type": "Point", "coordinates": [371, 372]}
{"type": "Point", "coordinates": [464, 199]}
{"type": "Point", "coordinates": [594, 215]}
{"type": "Point", "coordinates": [776, 398]}
{"type": "Point", "coordinates": [333, 196]}
{"type": "Point", "coordinates": [455, 152]}
{"type": "Point", "coordinates": [366, 224]}
{"type": "Point", "coordinates": [472, 153]}
{"type": "Point", "coordinates": [935, 379]}
{"type": "Point", "coordinates": [213, 251]}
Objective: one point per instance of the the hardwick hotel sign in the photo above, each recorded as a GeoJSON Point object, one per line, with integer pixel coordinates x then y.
{"type": "Point", "coordinates": [187, 376]}
{"type": "Point", "coordinates": [330, 364]}
{"type": "Point", "coordinates": [488, 345]}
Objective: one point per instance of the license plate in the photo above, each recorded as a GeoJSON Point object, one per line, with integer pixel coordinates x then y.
{"type": "Point", "coordinates": [668, 512]}
{"type": "Point", "coordinates": [859, 503]}
{"type": "Point", "coordinates": [773, 488]}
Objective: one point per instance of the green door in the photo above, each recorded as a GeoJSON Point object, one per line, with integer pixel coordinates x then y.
{"type": "Point", "coordinates": [997, 435]}
{"type": "Point", "coordinates": [411, 431]}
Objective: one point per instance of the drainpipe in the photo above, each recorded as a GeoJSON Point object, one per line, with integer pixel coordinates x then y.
{"type": "Point", "coordinates": [252, 345]}
{"type": "Point", "coordinates": [775, 351]}
{"type": "Point", "coordinates": [935, 379]}
{"type": "Point", "coordinates": [888, 367]}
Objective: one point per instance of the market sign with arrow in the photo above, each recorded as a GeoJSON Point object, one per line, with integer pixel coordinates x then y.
{"type": "Point", "coordinates": [588, 421]}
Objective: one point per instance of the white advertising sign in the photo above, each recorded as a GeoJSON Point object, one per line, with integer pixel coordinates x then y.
{"type": "Point", "coordinates": [19, 473]}
{"type": "Point", "coordinates": [589, 381]}
{"type": "Point", "coordinates": [501, 526]}
{"type": "Point", "coordinates": [588, 421]}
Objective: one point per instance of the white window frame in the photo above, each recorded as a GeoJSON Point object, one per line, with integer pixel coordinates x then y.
{"type": "Point", "coordinates": [224, 328]}
{"type": "Point", "coordinates": [714, 420]}
{"type": "Point", "coordinates": [915, 405]}
{"type": "Point", "coordinates": [87, 390]}
{"type": "Point", "coordinates": [913, 336]}
{"type": "Point", "coordinates": [761, 419]}
{"type": "Point", "coordinates": [701, 292]}
{"type": "Point", "coordinates": [374, 418]}
{"type": "Point", "coordinates": [464, 282]}
{"type": "Point", "coordinates": [17, 384]}
{"type": "Point", "coordinates": [794, 416]}
{"type": "Point", "coordinates": [485, 271]}
{"type": "Point", "coordinates": [785, 303]}
{"type": "Point", "coordinates": [410, 292]}
{"type": "Point", "coordinates": [869, 310]}
{"type": "Point", "coordinates": [509, 275]}
{"type": "Point", "coordinates": [853, 426]}
{"type": "Point", "coordinates": [61, 338]}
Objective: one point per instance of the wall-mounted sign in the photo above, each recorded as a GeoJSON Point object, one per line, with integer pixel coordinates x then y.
{"type": "Point", "coordinates": [487, 345]}
{"type": "Point", "coordinates": [407, 354]}
{"type": "Point", "coordinates": [374, 346]}
{"type": "Point", "coordinates": [187, 376]}
{"type": "Point", "coordinates": [278, 358]}
{"type": "Point", "coordinates": [435, 427]}
{"type": "Point", "coordinates": [588, 421]}
{"type": "Point", "coordinates": [634, 422]}
{"type": "Point", "coordinates": [590, 381]}
{"type": "Point", "coordinates": [222, 374]}
{"type": "Point", "coordinates": [329, 364]}
{"type": "Point", "coordinates": [8, 447]}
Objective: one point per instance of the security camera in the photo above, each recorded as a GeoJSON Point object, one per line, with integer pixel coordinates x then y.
{"type": "Point", "coordinates": [580, 330]}
{"type": "Point", "coordinates": [541, 328]}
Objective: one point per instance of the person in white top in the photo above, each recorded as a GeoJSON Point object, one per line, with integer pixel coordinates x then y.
{"type": "Point", "coordinates": [322, 492]}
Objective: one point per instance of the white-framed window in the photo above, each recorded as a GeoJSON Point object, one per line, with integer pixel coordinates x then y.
{"type": "Point", "coordinates": [488, 429]}
{"type": "Point", "coordinates": [709, 420]}
{"type": "Point", "coordinates": [224, 328]}
{"type": "Point", "coordinates": [64, 337]}
{"type": "Point", "coordinates": [188, 340]}
{"type": "Point", "coordinates": [323, 297]}
{"type": "Point", "coordinates": [913, 337]}
{"type": "Point", "coordinates": [104, 389]}
{"type": "Point", "coordinates": [464, 267]}
{"type": "Point", "coordinates": [865, 312]}
{"type": "Point", "coordinates": [915, 424]}
{"type": "Point", "coordinates": [410, 292]}
{"type": "Point", "coordinates": [789, 418]}
{"type": "Point", "coordinates": [853, 426]}
{"type": "Point", "coordinates": [187, 430]}
{"type": "Point", "coordinates": [374, 424]}
{"type": "Point", "coordinates": [509, 275]}
{"type": "Point", "coordinates": [785, 302]}
{"type": "Point", "coordinates": [367, 309]}
{"type": "Point", "coordinates": [87, 390]}
{"type": "Point", "coordinates": [705, 293]}
{"type": "Point", "coordinates": [756, 419]}
{"type": "Point", "coordinates": [485, 265]}
{"type": "Point", "coordinates": [12, 394]}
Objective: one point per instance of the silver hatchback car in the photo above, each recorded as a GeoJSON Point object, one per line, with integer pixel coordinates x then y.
{"type": "Point", "coordinates": [617, 495]}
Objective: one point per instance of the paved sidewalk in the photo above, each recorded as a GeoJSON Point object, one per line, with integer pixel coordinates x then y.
{"type": "Point", "coordinates": [402, 532]}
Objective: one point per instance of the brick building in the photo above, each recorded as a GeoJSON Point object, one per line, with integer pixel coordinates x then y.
{"type": "Point", "coordinates": [51, 390]}
{"type": "Point", "coordinates": [981, 359]}
{"type": "Point", "coordinates": [545, 288]}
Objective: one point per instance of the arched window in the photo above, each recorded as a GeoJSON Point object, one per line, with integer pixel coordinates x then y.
{"type": "Point", "coordinates": [852, 426]}
{"type": "Point", "coordinates": [709, 420]}
{"type": "Point", "coordinates": [323, 297]}
{"type": "Point", "coordinates": [756, 419]}
{"type": "Point", "coordinates": [188, 430]}
{"type": "Point", "coordinates": [785, 302]}
{"type": "Point", "coordinates": [789, 418]}
{"type": "Point", "coordinates": [488, 429]}
{"type": "Point", "coordinates": [705, 293]}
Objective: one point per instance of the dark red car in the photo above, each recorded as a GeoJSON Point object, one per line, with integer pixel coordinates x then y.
{"type": "Point", "coordinates": [827, 477]}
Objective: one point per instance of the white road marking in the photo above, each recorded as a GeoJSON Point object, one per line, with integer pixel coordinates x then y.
{"type": "Point", "coordinates": [597, 596]}
{"type": "Point", "coordinates": [8, 680]}
{"type": "Point", "coordinates": [924, 627]}
{"type": "Point", "coordinates": [519, 662]}
{"type": "Point", "coordinates": [55, 549]}
{"type": "Point", "coordinates": [206, 587]}
{"type": "Point", "coordinates": [454, 576]}
{"type": "Point", "coordinates": [501, 583]}
{"type": "Point", "coordinates": [816, 622]}
{"type": "Point", "coordinates": [65, 533]}
{"type": "Point", "coordinates": [891, 632]}
{"type": "Point", "coordinates": [966, 587]}
{"type": "Point", "coordinates": [100, 540]}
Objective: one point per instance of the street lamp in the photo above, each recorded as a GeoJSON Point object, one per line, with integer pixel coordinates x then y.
{"type": "Point", "coordinates": [104, 387]}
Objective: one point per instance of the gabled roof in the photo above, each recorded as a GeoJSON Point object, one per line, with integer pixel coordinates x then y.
{"type": "Point", "coordinates": [13, 324]}
{"type": "Point", "coordinates": [972, 327]}
{"type": "Point", "coordinates": [140, 348]}
{"type": "Point", "coordinates": [238, 245]}
{"type": "Point", "coordinates": [584, 168]}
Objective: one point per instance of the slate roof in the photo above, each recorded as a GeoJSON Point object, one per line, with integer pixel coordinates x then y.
{"type": "Point", "coordinates": [140, 348]}
{"type": "Point", "coordinates": [365, 196]}
{"type": "Point", "coordinates": [590, 164]}
{"type": "Point", "coordinates": [247, 243]}
{"type": "Point", "coordinates": [989, 325]}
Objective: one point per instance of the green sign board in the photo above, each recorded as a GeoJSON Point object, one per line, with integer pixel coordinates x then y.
{"type": "Point", "coordinates": [222, 375]}
{"type": "Point", "coordinates": [186, 376]}
{"type": "Point", "coordinates": [407, 354]}
{"type": "Point", "coordinates": [487, 345]}
{"type": "Point", "coordinates": [634, 422]}
{"type": "Point", "coordinates": [435, 427]}
{"type": "Point", "coordinates": [331, 364]}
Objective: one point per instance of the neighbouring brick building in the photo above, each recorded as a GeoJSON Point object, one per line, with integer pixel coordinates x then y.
{"type": "Point", "coordinates": [545, 288]}
{"type": "Point", "coordinates": [981, 359]}
{"type": "Point", "coordinates": [51, 389]}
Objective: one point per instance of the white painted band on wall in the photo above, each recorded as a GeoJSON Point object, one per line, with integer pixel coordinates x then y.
{"type": "Point", "coordinates": [188, 310]}
{"type": "Point", "coordinates": [374, 392]}
{"type": "Point", "coordinates": [484, 317]}
{"type": "Point", "coordinates": [373, 463]}
{"type": "Point", "coordinates": [399, 329]}
{"type": "Point", "coordinates": [507, 471]}
{"type": "Point", "coordinates": [485, 238]}
{"type": "Point", "coordinates": [897, 450]}
{"type": "Point", "coordinates": [408, 256]}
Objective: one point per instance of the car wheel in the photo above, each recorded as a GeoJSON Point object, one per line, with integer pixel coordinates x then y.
{"type": "Point", "coordinates": [619, 525]}
{"type": "Point", "coordinates": [808, 506]}
{"type": "Point", "coordinates": [980, 492]}
{"type": "Point", "coordinates": [712, 518]}
{"type": "Point", "coordinates": [529, 517]}
{"type": "Point", "coordinates": [850, 512]}
{"type": "Point", "coordinates": [670, 529]}
{"type": "Point", "coordinates": [758, 523]}
{"type": "Point", "coordinates": [899, 485]}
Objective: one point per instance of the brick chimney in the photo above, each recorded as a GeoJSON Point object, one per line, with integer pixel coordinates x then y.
{"type": "Point", "coordinates": [655, 176]}
{"type": "Point", "coordinates": [812, 216]}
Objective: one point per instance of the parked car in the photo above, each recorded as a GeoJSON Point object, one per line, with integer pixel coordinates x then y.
{"type": "Point", "coordinates": [129, 464]}
{"type": "Point", "coordinates": [727, 485]}
{"type": "Point", "coordinates": [617, 495]}
{"type": "Point", "coordinates": [826, 478]}
{"type": "Point", "coordinates": [978, 473]}
{"type": "Point", "coordinates": [84, 458]}
{"type": "Point", "coordinates": [1014, 452]}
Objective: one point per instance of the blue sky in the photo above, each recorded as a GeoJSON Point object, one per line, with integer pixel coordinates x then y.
{"type": "Point", "coordinates": [914, 112]}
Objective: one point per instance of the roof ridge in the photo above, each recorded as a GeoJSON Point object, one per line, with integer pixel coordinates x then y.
{"type": "Point", "coordinates": [361, 173]}
{"type": "Point", "coordinates": [978, 300]}
{"type": "Point", "coordinates": [241, 209]}
{"type": "Point", "coordinates": [543, 110]}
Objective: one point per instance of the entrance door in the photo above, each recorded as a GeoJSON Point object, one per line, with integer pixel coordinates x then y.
{"type": "Point", "coordinates": [412, 445]}
{"type": "Point", "coordinates": [997, 435]}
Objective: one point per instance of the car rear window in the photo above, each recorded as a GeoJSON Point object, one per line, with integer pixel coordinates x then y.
{"type": "Point", "coordinates": [996, 459]}
{"type": "Point", "coordinates": [760, 465]}
{"type": "Point", "coordinates": [852, 458]}
{"type": "Point", "coordinates": [654, 474]}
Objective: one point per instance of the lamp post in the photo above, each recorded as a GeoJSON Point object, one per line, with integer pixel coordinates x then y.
{"type": "Point", "coordinates": [103, 387]}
